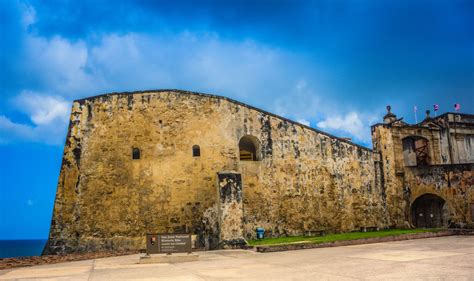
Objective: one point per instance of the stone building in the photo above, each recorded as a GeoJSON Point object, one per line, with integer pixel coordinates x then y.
{"type": "Point", "coordinates": [176, 161]}
{"type": "Point", "coordinates": [427, 169]}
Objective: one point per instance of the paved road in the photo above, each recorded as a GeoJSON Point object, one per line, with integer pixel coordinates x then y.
{"type": "Point", "coordinates": [444, 258]}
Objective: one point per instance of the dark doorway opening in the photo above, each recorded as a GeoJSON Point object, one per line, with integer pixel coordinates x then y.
{"type": "Point", "coordinates": [248, 148]}
{"type": "Point", "coordinates": [427, 211]}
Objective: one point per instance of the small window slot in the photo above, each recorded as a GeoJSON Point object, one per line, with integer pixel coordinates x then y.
{"type": "Point", "coordinates": [196, 151]}
{"type": "Point", "coordinates": [135, 153]}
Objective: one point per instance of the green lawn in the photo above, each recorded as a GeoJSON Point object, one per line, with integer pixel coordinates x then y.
{"type": "Point", "coordinates": [337, 237]}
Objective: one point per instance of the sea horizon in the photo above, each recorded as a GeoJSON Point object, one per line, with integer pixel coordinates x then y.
{"type": "Point", "coordinates": [14, 248]}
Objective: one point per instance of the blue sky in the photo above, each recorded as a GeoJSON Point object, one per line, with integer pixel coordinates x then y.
{"type": "Point", "coordinates": [334, 65]}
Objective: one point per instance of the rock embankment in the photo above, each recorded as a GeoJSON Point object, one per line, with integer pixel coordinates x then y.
{"type": "Point", "coordinates": [7, 263]}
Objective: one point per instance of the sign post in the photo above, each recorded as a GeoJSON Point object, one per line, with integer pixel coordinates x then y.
{"type": "Point", "coordinates": [175, 243]}
{"type": "Point", "coordinates": [168, 244]}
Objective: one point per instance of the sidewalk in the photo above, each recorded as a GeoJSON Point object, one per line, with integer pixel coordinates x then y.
{"type": "Point", "coordinates": [450, 257]}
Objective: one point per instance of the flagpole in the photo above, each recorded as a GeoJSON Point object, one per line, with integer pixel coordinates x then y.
{"type": "Point", "coordinates": [415, 109]}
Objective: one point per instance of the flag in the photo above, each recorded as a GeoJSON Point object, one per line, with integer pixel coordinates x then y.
{"type": "Point", "coordinates": [457, 107]}
{"type": "Point", "coordinates": [436, 107]}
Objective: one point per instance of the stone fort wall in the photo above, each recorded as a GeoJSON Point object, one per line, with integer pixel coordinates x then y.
{"type": "Point", "coordinates": [303, 180]}
{"type": "Point", "coordinates": [452, 184]}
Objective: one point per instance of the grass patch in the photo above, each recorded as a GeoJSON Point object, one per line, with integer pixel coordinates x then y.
{"type": "Point", "coordinates": [337, 237]}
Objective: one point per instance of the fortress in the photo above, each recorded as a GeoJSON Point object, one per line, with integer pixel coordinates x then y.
{"type": "Point", "coordinates": [171, 161]}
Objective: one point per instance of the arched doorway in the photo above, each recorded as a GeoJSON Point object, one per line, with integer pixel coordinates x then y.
{"type": "Point", "coordinates": [249, 148]}
{"type": "Point", "coordinates": [427, 211]}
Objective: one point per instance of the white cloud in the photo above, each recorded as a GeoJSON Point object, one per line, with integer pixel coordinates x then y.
{"type": "Point", "coordinates": [300, 101]}
{"type": "Point", "coordinates": [245, 70]}
{"type": "Point", "coordinates": [63, 69]}
{"type": "Point", "coordinates": [351, 124]}
{"type": "Point", "coordinates": [29, 15]}
{"type": "Point", "coordinates": [198, 62]}
{"type": "Point", "coordinates": [60, 66]}
{"type": "Point", "coordinates": [194, 61]}
{"type": "Point", "coordinates": [9, 129]}
{"type": "Point", "coordinates": [43, 109]}
{"type": "Point", "coordinates": [304, 122]}
{"type": "Point", "coordinates": [48, 114]}
{"type": "Point", "coordinates": [136, 61]}
{"type": "Point", "coordinates": [53, 133]}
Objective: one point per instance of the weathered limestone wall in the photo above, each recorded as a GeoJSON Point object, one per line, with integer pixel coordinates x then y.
{"type": "Point", "coordinates": [397, 201]}
{"type": "Point", "coordinates": [230, 209]}
{"type": "Point", "coordinates": [461, 134]}
{"type": "Point", "coordinates": [404, 184]}
{"type": "Point", "coordinates": [453, 183]}
{"type": "Point", "coordinates": [306, 180]}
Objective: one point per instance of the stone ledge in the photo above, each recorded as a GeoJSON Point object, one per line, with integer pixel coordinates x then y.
{"type": "Point", "coordinates": [302, 246]}
{"type": "Point", "coordinates": [173, 258]}
{"type": "Point", "coordinates": [462, 231]}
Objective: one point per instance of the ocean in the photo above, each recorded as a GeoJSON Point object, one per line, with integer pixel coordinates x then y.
{"type": "Point", "coordinates": [21, 248]}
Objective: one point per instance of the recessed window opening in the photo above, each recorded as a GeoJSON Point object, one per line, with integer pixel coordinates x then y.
{"type": "Point", "coordinates": [249, 148]}
{"type": "Point", "coordinates": [415, 151]}
{"type": "Point", "coordinates": [196, 151]}
{"type": "Point", "coordinates": [135, 153]}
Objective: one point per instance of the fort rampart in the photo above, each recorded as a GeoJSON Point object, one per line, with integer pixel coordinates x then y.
{"type": "Point", "coordinates": [297, 179]}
